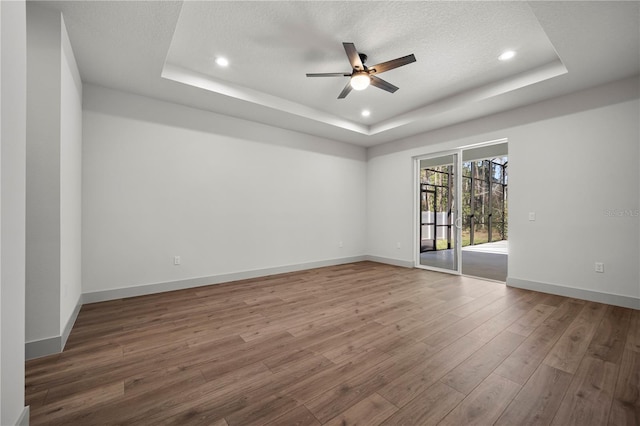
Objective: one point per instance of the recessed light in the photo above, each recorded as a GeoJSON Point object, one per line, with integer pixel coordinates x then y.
{"type": "Point", "coordinates": [506, 55]}
{"type": "Point", "coordinates": [222, 62]}
{"type": "Point", "coordinates": [366, 113]}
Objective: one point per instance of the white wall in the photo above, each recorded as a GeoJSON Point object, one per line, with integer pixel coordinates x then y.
{"type": "Point", "coordinates": [12, 210]}
{"type": "Point", "coordinates": [162, 180]}
{"type": "Point", "coordinates": [574, 172]}
{"type": "Point", "coordinates": [43, 173]}
{"type": "Point", "coordinates": [571, 160]}
{"type": "Point", "coordinates": [54, 156]}
{"type": "Point", "coordinates": [1, 145]}
{"type": "Point", "coordinates": [70, 181]}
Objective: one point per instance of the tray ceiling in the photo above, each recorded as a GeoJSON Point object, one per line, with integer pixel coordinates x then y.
{"type": "Point", "coordinates": [167, 50]}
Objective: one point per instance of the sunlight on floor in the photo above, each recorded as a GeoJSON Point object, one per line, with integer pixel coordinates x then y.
{"type": "Point", "coordinates": [498, 247]}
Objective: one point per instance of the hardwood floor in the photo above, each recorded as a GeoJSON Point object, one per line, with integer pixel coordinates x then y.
{"type": "Point", "coordinates": [363, 344]}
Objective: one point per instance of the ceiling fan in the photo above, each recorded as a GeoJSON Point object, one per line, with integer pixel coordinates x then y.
{"type": "Point", "coordinates": [363, 76]}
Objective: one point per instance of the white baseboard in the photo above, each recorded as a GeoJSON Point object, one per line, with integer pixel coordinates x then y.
{"type": "Point", "coordinates": [55, 344]}
{"type": "Point", "coordinates": [72, 320]}
{"type": "Point", "coordinates": [389, 261]}
{"type": "Point", "coordinates": [23, 420]}
{"type": "Point", "coordinates": [122, 293]}
{"type": "Point", "coordinates": [42, 347]}
{"type": "Point", "coordinates": [578, 293]}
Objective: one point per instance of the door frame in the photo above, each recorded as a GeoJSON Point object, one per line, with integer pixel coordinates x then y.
{"type": "Point", "coordinates": [459, 152]}
{"type": "Point", "coordinates": [417, 219]}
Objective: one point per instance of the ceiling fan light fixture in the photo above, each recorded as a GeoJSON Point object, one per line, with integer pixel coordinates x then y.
{"type": "Point", "coordinates": [362, 76]}
{"type": "Point", "coordinates": [360, 81]}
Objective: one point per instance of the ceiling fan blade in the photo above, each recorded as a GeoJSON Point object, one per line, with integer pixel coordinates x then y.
{"type": "Point", "coordinates": [389, 65]}
{"type": "Point", "coordinates": [381, 84]}
{"type": "Point", "coordinates": [345, 91]}
{"type": "Point", "coordinates": [352, 54]}
{"type": "Point", "coordinates": [329, 74]}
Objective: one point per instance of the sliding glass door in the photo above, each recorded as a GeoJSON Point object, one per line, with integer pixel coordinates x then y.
{"type": "Point", "coordinates": [438, 213]}
{"type": "Point", "coordinates": [461, 211]}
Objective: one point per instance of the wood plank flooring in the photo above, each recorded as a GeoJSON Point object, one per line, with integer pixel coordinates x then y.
{"type": "Point", "coordinates": [356, 344]}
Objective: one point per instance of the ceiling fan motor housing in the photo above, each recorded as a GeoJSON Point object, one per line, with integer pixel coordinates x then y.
{"type": "Point", "coordinates": [363, 59]}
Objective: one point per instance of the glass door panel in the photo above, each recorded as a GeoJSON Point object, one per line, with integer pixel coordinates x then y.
{"type": "Point", "coordinates": [438, 234]}
{"type": "Point", "coordinates": [484, 201]}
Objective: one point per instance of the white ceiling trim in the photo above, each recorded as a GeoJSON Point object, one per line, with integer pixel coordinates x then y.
{"type": "Point", "coordinates": [527, 78]}
{"type": "Point", "coordinates": [202, 81]}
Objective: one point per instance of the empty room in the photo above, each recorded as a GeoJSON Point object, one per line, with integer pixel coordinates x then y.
{"type": "Point", "coordinates": [319, 213]}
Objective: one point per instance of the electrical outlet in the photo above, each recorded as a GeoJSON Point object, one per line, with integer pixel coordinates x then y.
{"type": "Point", "coordinates": [600, 267]}
{"type": "Point", "coordinates": [398, 245]}
{"type": "Point", "coordinates": [340, 244]}
{"type": "Point", "coordinates": [532, 216]}
{"type": "Point", "coordinates": [177, 260]}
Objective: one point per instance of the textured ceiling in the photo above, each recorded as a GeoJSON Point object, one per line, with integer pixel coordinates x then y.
{"type": "Point", "coordinates": [167, 49]}
{"type": "Point", "coordinates": [456, 45]}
